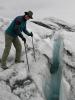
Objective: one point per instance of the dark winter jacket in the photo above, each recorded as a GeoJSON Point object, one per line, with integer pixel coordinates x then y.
{"type": "Point", "coordinates": [17, 26]}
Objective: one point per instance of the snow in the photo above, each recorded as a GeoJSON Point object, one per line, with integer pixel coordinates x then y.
{"type": "Point", "coordinates": [4, 95]}
{"type": "Point", "coordinates": [65, 88]}
{"type": "Point", "coordinates": [48, 44]}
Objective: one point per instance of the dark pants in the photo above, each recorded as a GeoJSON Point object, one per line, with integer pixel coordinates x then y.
{"type": "Point", "coordinates": [9, 40]}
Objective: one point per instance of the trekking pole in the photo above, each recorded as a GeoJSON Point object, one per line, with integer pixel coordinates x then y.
{"type": "Point", "coordinates": [26, 57]}
{"type": "Point", "coordinates": [33, 49]}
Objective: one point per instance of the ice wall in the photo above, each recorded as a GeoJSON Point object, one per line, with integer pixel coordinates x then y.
{"type": "Point", "coordinates": [52, 92]}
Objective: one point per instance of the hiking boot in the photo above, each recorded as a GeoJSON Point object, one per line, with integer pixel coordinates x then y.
{"type": "Point", "coordinates": [21, 61]}
{"type": "Point", "coordinates": [4, 67]}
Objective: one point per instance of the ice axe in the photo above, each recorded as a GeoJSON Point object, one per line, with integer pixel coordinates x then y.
{"type": "Point", "coordinates": [33, 49]}
{"type": "Point", "coordinates": [28, 79]}
{"type": "Point", "coordinates": [26, 56]}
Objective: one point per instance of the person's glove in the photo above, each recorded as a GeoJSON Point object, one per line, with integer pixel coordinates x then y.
{"type": "Point", "coordinates": [24, 40]}
{"type": "Point", "coordinates": [31, 34]}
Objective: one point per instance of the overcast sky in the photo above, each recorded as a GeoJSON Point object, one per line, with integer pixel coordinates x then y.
{"type": "Point", "coordinates": [62, 9]}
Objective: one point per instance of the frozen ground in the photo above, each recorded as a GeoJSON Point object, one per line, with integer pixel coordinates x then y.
{"type": "Point", "coordinates": [13, 83]}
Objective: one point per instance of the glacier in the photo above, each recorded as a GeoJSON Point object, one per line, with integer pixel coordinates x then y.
{"type": "Point", "coordinates": [54, 48]}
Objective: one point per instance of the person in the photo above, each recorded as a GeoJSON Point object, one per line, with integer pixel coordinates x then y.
{"type": "Point", "coordinates": [12, 34]}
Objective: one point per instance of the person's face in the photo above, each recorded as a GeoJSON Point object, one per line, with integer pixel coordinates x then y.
{"type": "Point", "coordinates": [27, 17]}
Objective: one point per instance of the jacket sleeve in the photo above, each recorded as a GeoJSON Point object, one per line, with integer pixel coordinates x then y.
{"type": "Point", "coordinates": [17, 26]}
{"type": "Point", "coordinates": [21, 36]}
{"type": "Point", "coordinates": [26, 32]}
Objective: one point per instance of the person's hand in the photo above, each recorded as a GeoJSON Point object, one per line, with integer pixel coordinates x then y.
{"type": "Point", "coordinates": [24, 40]}
{"type": "Point", "coordinates": [31, 34]}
